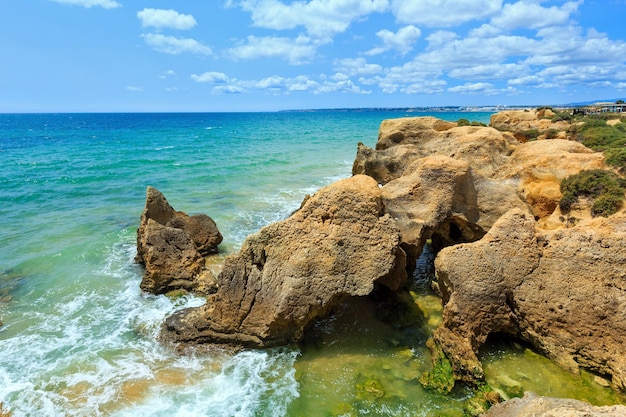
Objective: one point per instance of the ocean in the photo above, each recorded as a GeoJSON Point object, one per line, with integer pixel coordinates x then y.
{"type": "Point", "coordinates": [79, 338]}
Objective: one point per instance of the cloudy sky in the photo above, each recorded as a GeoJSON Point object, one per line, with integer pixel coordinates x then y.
{"type": "Point", "coordinates": [257, 55]}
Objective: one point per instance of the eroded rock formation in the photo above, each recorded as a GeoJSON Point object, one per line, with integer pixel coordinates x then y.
{"type": "Point", "coordinates": [171, 246]}
{"type": "Point", "coordinates": [435, 196]}
{"type": "Point", "coordinates": [512, 262]}
{"type": "Point", "coordinates": [562, 290]}
{"type": "Point", "coordinates": [339, 244]}
{"type": "Point", "coordinates": [533, 275]}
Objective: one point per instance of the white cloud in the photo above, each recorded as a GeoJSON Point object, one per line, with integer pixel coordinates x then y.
{"type": "Point", "coordinates": [356, 66]}
{"type": "Point", "coordinates": [277, 85]}
{"type": "Point", "coordinates": [160, 18]}
{"type": "Point", "coordinates": [443, 13]}
{"type": "Point", "coordinates": [485, 31]}
{"type": "Point", "coordinates": [106, 4]}
{"type": "Point", "coordinates": [295, 51]}
{"type": "Point", "coordinates": [467, 53]}
{"type": "Point", "coordinates": [401, 41]}
{"type": "Point", "coordinates": [474, 88]}
{"type": "Point", "coordinates": [531, 15]}
{"type": "Point", "coordinates": [441, 37]}
{"type": "Point", "coordinates": [425, 87]}
{"type": "Point", "coordinates": [228, 89]}
{"type": "Point", "coordinates": [566, 46]}
{"type": "Point", "coordinates": [489, 71]}
{"type": "Point", "coordinates": [211, 77]}
{"type": "Point", "coordinates": [528, 80]}
{"type": "Point", "coordinates": [583, 74]}
{"type": "Point", "coordinates": [320, 18]}
{"type": "Point", "coordinates": [175, 46]}
{"type": "Point", "coordinates": [167, 74]}
{"type": "Point", "coordinates": [134, 88]}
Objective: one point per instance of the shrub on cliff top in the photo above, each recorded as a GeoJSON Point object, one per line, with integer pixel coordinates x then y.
{"type": "Point", "coordinates": [616, 157]}
{"type": "Point", "coordinates": [528, 135]}
{"type": "Point", "coordinates": [598, 135]}
{"type": "Point", "coordinates": [465, 122]}
{"type": "Point", "coordinates": [561, 116]}
{"type": "Point", "coordinates": [605, 188]}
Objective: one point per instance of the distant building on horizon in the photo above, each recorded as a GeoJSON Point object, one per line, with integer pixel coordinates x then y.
{"type": "Point", "coordinates": [606, 107]}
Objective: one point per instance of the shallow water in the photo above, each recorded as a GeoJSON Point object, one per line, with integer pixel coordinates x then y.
{"type": "Point", "coordinates": [78, 336]}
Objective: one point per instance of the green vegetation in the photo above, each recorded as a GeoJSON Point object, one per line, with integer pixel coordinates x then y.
{"type": "Point", "coordinates": [616, 157]}
{"type": "Point", "coordinates": [596, 134]}
{"type": "Point", "coordinates": [528, 135]}
{"type": "Point", "coordinates": [605, 188]}
{"type": "Point", "coordinates": [561, 116]}
{"type": "Point", "coordinates": [370, 389]}
{"type": "Point", "coordinates": [482, 400]}
{"type": "Point", "coordinates": [552, 133]}
{"type": "Point", "coordinates": [441, 377]}
{"type": "Point", "coordinates": [465, 122]}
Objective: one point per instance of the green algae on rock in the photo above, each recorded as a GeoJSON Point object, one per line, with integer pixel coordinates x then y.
{"type": "Point", "coordinates": [441, 377]}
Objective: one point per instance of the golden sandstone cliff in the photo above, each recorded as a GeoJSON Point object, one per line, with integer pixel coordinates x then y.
{"type": "Point", "coordinates": [511, 258]}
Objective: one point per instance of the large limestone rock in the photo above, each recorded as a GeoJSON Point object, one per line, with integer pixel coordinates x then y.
{"type": "Point", "coordinates": [505, 173]}
{"type": "Point", "coordinates": [564, 291]}
{"type": "Point", "coordinates": [171, 245]}
{"type": "Point", "coordinates": [532, 405]}
{"type": "Point", "coordinates": [434, 198]}
{"type": "Point", "coordinates": [539, 167]}
{"type": "Point", "coordinates": [573, 305]}
{"type": "Point", "coordinates": [485, 150]}
{"type": "Point", "coordinates": [409, 130]}
{"type": "Point", "coordinates": [477, 282]}
{"type": "Point", "coordinates": [338, 244]}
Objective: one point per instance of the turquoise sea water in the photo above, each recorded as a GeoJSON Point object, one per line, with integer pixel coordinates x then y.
{"type": "Point", "coordinates": [80, 339]}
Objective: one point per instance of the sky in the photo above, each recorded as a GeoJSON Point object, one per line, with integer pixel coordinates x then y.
{"type": "Point", "coordinates": [268, 55]}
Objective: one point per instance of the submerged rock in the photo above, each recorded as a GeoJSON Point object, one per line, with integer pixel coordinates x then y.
{"type": "Point", "coordinates": [532, 405]}
{"type": "Point", "coordinates": [339, 244]}
{"type": "Point", "coordinates": [171, 245]}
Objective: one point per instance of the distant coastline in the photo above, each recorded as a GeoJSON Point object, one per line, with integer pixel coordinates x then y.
{"type": "Point", "coordinates": [450, 109]}
{"type": "Point", "coordinates": [439, 109]}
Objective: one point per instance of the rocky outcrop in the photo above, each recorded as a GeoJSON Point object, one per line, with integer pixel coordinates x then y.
{"type": "Point", "coordinates": [564, 291]}
{"type": "Point", "coordinates": [531, 124]}
{"type": "Point", "coordinates": [532, 405]}
{"type": "Point", "coordinates": [484, 148]}
{"type": "Point", "coordinates": [339, 244]}
{"type": "Point", "coordinates": [477, 283]}
{"type": "Point", "coordinates": [171, 246]}
{"type": "Point", "coordinates": [539, 167]}
{"type": "Point", "coordinates": [509, 261]}
{"type": "Point", "coordinates": [505, 173]}
{"type": "Point", "coordinates": [434, 198]}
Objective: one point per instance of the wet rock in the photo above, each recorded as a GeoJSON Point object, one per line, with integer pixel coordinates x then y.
{"type": "Point", "coordinates": [171, 246]}
{"type": "Point", "coordinates": [532, 405]}
{"type": "Point", "coordinates": [338, 244]}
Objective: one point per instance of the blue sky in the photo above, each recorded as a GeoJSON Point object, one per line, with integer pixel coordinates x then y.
{"type": "Point", "coordinates": [265, 55]}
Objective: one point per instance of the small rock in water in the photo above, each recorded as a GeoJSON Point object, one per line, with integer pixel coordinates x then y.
{"type": "Point", "coordinates": [597, 379]}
